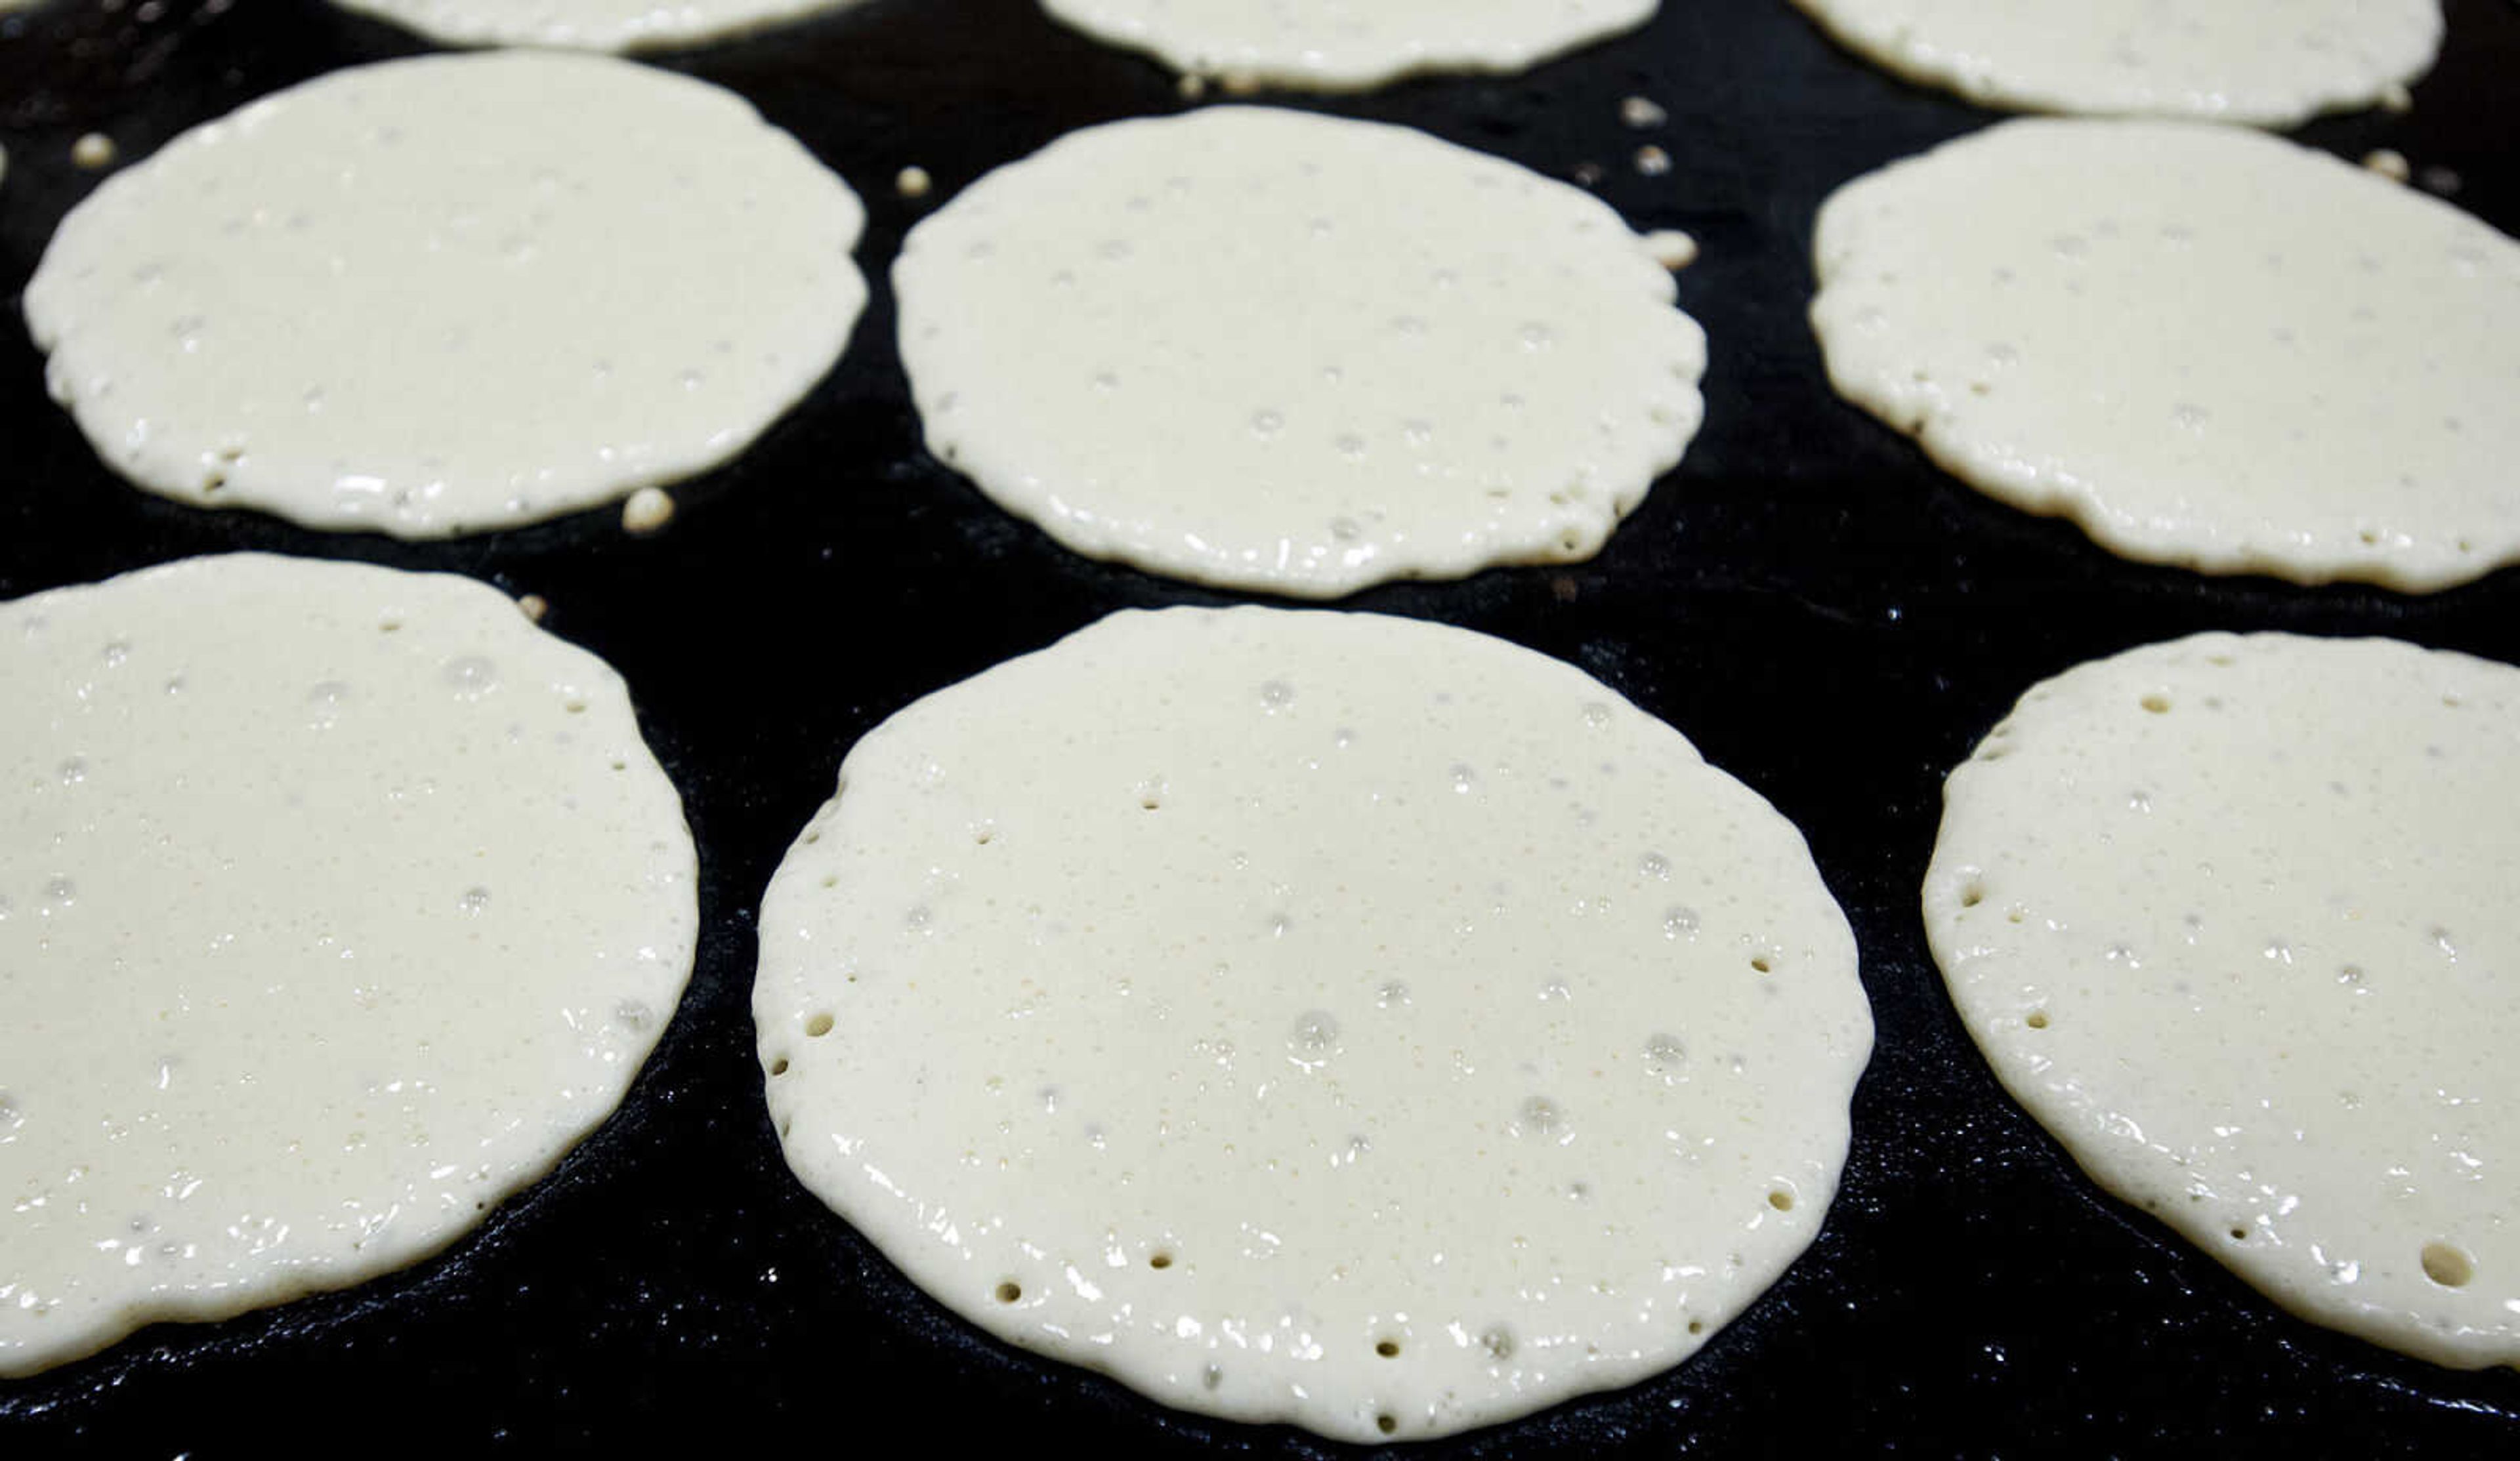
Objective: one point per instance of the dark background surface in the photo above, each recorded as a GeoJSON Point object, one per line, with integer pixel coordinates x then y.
{"type": "Point", "coordinates": [1828, 617]}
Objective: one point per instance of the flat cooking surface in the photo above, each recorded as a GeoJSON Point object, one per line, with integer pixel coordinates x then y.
{"type": "Point", "coordinates": [1825, 614]}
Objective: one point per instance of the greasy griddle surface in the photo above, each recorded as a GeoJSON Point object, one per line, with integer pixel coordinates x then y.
{"type": "Point", "coordinates": [1825, 615]}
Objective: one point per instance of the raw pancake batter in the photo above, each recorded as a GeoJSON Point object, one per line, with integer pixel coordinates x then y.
{"type": "Point", "coordinates": [1276, 352]}
{"type": "Point", "coordinates": [590, 24]}
{"type": "Point", "coordinates": [1349, 45]}
{"type": "Point", "coordinates": [1322, 1018]}
{"type": "Point", "coordinates": [2274, 62]}
{"type": "Point", "coordinates": [2233, 918]}
{"type": "Point", "coordinates": [2206, 346]}
{"type": "Point", "coordinates": [440, 296]}
{"type": "Point", "coordinates": [336, 904]}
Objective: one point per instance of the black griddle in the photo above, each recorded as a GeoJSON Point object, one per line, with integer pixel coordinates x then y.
{"type": "Point", "coordinates": [1823, 612]}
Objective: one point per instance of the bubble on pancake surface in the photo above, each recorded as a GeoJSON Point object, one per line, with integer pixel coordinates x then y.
{"type": "Point", "coordinates": [1270, 350]}
{"type": "Point", "coordinates": [344, 903]}
{"type": "Point", "coordinates": [2223, 916]}
{"type": "Point", "coordinates": [1365, 1056]}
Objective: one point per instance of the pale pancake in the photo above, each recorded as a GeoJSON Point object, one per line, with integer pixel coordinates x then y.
{"type": "Point", "coordinates": [1320, 1018]}
{"type": "Point", "coordinates": [1276, 351]}
{"type": "Point", "coordinates": [2206, 346]}
{"type": "Point", "coordinates": [2233, 918]}
{"type": "Point", "coordinates": [335, 904]}
{"type": "Point", "coordinates": [1349, 45]}
{"type": "Point", "coordinates": [589, 25]}
{"type": "Point", "coordinates": [440, 296]}
{"type": "Point", "coordinates": [2274, 62]}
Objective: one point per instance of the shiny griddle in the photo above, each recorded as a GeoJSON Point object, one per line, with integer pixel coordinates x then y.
{"type": "Point", "coordinates": [1825, 614]}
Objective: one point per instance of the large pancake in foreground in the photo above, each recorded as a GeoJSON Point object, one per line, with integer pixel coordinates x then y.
{"type": "Point", "coordinates": [335, 904]}
{"type": "Point", "coordinates": [2233, 918]}
{"type": "Point", "coordinates": [1322, 1018]}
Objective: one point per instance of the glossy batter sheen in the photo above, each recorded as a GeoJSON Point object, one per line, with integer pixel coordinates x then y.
{"type": "Point", "coordinates": [2233, 918]}
{"type": "Point", "coordinates": [2274, 62]}
{"type": "Point", "coordinates": [1348, 45]}
{"type": "Point", "coordinates": [2206, 346]}
{"type": "Point", "coordinates": [590, 24]}
{"type": "Point", "coordinates": [440, 296]}
{"type": "Point", "coordinates": [335, 904]}
{"type": "Point", "coordinates": [1276, 351]}
{"type": "Point", "coordinates": [1322, 1018]}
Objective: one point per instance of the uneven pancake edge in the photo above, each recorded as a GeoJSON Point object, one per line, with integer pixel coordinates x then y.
{"type": "Point", "coordinates": [997, 444]}
{"type": "Point", "coordinates": [2017, 1001]}
{"type": "Point", "coordinates": [803, 1011]}
{"type": "Point", "coordinates": [1943, 423]}
{"type": "Point", "coordinates": [415, 606]}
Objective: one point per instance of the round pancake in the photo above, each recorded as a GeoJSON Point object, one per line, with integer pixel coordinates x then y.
{"type": "Point", "coordinates": [588, 24]}
{"type": "Point", "coordinates": [1336, 45]}
{"type": "Point", "coordinates": [439, 295]}
{"type": "Point", "coordinates": [2274, 62]}
{"type": "Point", "coordinates": [2206, 346]}
{"type": "Point", "coordinates": [336, 904]}
{"type": "Point", "coordinates": [1276, 352]}
{"type": "Point", "coordinates": [1322, 1018]}
{"type": "Point", "coordinates": [2231, 918]}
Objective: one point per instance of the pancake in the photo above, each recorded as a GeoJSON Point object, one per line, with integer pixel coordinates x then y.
{"type": "Point", "coordinates": [2274, 62]}
{"type": "Point", "coordinates": [1275, 351]}
{"type": "Point", "coordinates": [337, 905]}
{"type": "Point", "coordinates": [1334, 45]}
{"type": "Point", "coordinates": [2231, 918]}
{"type": "Point", "coordinates": [2206, 346]}
{"type": "Point", "coordinates": [447, 294]}
{"type": "Point", "coordinates": [1323, 1018]}
{"type": "Point", "coordinates": [589, 25]}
